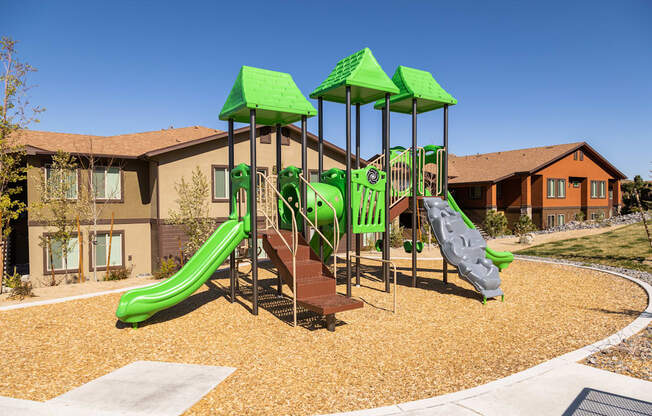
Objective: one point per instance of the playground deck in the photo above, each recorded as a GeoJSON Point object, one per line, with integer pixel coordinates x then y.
{"type": "Point", "coordinates": [441, 340]}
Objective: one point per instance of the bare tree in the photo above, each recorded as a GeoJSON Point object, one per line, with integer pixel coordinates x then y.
{"type": "Point", "coordinates": [60, 205]}
{"type": "Point", "coordinates": [104, 183]}
{"type": "Point", "coordinates": [15, 115]}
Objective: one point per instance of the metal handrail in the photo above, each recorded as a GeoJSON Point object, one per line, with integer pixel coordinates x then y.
{"type": "Point", "coordinates": [382, 261]}
{"type": "Point", "coordinates": [273, 221]}
{"type": "Point", "coordinates": [336, 237]}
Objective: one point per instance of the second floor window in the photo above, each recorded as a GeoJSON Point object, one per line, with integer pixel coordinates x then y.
{"type": "Point", "coordinates": [107, 183]}
{"type": "Point", "coordinates": [61, 184]}
{"type": "Point", "coordinates": [598, 189]}
{"type": "Point", "coordinates": [556, 188]}
{"type": "Point", "coordinates": [220, 183]}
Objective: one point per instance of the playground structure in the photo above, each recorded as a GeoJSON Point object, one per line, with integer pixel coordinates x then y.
{"type": "Point", "coordinates": [344, 202]}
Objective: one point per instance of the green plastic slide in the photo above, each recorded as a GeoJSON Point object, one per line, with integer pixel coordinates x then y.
{"type": "Point", "coordinates": [139, 304]}
{"type": "Point", "coordinates": [501, 259]}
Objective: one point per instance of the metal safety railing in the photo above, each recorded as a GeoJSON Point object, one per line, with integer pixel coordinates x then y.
{"type": "Point", "coordinates": [391, 263]}
{"type": "Point", "coordinates": [433, 179]}
{"type": "Point", "coordinates": [335, 244]}
{"type": "Point", "coordinates": [266, 189]}
{"type": "Point", "coordinates": [400, 174]}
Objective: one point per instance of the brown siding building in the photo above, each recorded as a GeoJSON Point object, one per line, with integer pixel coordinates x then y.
{"type": "Point", "coordinates": [144, 168]}
{"type": "Point", "coordinates": [551, 184]}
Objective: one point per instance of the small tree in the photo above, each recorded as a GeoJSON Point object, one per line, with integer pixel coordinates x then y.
{"type": "Point", "coordinates": [15, 114]}
{"type": "Point", "coordinates": [192, 212]}
{"type": "Point", "coordinates": [524, 225]}
{"type": "Point", "coordinates": [495, 223]}
{"type": "Point", "coordinates": [59, 206]}
{"type": "Point", "coordinates": [97, 193]}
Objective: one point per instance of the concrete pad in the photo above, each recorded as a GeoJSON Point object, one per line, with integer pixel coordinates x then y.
{"type": "Point", "coordinates": [553, 392]}
{"type": "Point", "coordinates": [451, 409]}
{"type": "Point", "coordinates": [146, 388]}
{"type": "Point", "coordinates": [18, 407]}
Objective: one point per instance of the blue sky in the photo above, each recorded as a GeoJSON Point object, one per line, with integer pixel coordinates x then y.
{"type": "Point", "coordinates": [524, 74]}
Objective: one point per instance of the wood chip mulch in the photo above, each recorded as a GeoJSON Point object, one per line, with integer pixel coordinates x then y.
{"type": "Point", "coordinates": [441, 340]}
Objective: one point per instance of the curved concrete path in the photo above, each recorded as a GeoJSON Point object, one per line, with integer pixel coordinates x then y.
{"type": "Point", "coordinates": [556, 387]}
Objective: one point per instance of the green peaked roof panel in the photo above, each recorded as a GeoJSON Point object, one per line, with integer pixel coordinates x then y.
{"type": "Point", "coordinates": [415, 83]}
{"type": "Point", "coordinates": [274, 96]}
{"type": "Point", "coordinates": [362, 73]}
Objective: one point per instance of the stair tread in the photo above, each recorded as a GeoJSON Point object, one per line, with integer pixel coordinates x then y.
{"type": "Point", "coordinates": [331, 303]}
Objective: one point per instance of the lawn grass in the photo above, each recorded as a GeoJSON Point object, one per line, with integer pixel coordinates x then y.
{"type": "Point", "coordinates": [625, 247]}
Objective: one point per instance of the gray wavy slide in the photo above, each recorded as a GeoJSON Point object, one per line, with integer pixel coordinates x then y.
{"type": "Point", "coordinates": [463, 247]}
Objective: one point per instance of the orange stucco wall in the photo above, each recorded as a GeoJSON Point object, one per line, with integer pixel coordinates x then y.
{"type": "Point", "coordinates": [569, 167]}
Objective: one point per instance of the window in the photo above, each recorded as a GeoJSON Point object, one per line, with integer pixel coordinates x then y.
{"type": "Point", "coordinates": [598, 189]}
{"type": "Point", "coordinates": [581, 155]}
{"type": "Point", "coordinates": [475, 192]}
{"type": "Point", "coordinates": [58, 181]}
{"type": "Point", "coordinates": [597, 215]}
{"type": "Point", "coordinates": [102, 249]}
{"type": "Point", "coordinates": [551, 221]}
{"type": "Point", "coordinates": [611, 194]}
{"type": "Point", "coordinates": [314, 176]}
{"type": "Point", "coordinates": [551, 188]}
{"type": "Point", "coordinates": [57, 258]}
{"type": "Point", "coordinates": [107, 183]}
{"type": "Point", "coordinates": [602, 189]}
{"type": "Point", "coordinates": [220, 183]}
{"type": "Point", "coordinates": [561, 219]}
{"type": "Point", "coordinates": [561, 188]}
{"type": "Point", "coordinates": [575, 155]}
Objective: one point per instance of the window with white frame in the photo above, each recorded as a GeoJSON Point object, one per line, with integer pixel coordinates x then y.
{"type": "Point", "coordinates": [220, 182]}
{"type": "Point", "coordinates": [598, 189]}
{"type": "Point", "coordinates": [59, 181]}
{"type": "Point", "coordinates": [58, 258]}
{"type": "Point", "coordinates": [561, 188]}
{"type": "Point", "coordinates": [102, 249]}
{"type": "Point", "coordinates": [561, 219]}
{"type": "Point", "coordinates": [107, 183]}
{"type": "Point", "coordinates": [551, 188]}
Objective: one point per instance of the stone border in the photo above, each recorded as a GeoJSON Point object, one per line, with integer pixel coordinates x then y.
{"type": "Point", "coordinates": [643, 320]}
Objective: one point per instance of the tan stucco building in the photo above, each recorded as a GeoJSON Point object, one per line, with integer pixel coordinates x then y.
{"type": "Point", "coordinates": [139, 172]}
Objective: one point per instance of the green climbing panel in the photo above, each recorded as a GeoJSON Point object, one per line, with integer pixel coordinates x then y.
{"type": "Point", "coordinates": [367, 200]}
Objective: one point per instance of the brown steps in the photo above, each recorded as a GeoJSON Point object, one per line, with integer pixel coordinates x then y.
{"type": "Point", "coordinates": [316, 288]}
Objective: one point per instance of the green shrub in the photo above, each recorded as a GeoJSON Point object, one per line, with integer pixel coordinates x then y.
{"type": "Point", "coordinates": [167, 267]}
{"type": "Point", "coordinates": [495, 223]}
{"type": "Point", "coordinates": [524, 225]}
{"type": "Point", "coordinates": [12, 280]}
{"type": "Point", "coordinates": [396, 236]}
{"type": "Point", "coordinates": [579, 216]}
{"type": "Point", "coordinates": [119, 273]}
{"type": "Point", "coordinates": [19, 289]}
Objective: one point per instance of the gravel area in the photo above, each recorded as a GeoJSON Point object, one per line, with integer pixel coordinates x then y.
{"type": "Point", "coordinates": [632, 357]}
{"type": "Point", "coordinates": [441, 340]}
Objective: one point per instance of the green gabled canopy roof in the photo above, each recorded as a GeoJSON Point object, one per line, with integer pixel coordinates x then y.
{"type": "Point", "coordinates": [274, 96]}
{"type": "Point", "coordinates": [415, 83]}
{"type": "Point", "coordinates": [362, 73]}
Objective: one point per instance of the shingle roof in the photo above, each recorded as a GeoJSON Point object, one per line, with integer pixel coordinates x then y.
{"type": "Point", "coordinates": [493, 167]}
{"type": "Point", "coordinates": [124, 145]}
